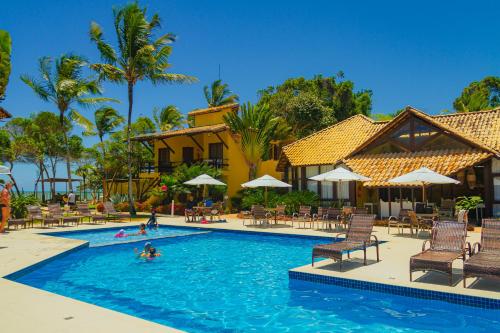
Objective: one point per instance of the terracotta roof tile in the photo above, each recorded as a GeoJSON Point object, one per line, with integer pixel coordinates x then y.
{"type": "Point", "coordinates": [381, 167]}
{"type": "Point", "coordinates": [184, 131]}
{"type": "Point", "coordinates": [333, 143]}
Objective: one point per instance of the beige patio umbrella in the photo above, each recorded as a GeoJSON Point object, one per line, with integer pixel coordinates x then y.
{"type": "Point", "coordinates": [340, 175]}
{"type": "Point", "coordinates": [204, 180]}
{"type": "Point", "coordinates": [423, 176]}
{"type": "Point", "coordinates": [265, 181]}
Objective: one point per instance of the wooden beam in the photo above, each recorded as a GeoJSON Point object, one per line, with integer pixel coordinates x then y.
{"type": "Point", "coordinates": [147, 146]}
{"type": "Point", "coordinates": [166, 145]}
{"type": "Point", "coordinates": [225, 145]}
{"type": "Point", "coordinates": [196, 142]}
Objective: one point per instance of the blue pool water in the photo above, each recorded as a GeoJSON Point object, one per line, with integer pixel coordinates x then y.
{"type": "Point", "coordinates": [106, 237]}
{"type": "Point", "coordinates": [237, 282]}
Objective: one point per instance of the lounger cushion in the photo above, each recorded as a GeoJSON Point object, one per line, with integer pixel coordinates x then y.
{"type": "Point", "coordinates": [483, 262]}
{"type": "Point", "coordinates": [435, 256]}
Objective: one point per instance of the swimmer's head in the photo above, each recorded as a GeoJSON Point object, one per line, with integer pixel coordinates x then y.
{"type": "Point", "coordinates": [147, 247]}
{"type": "Point", "coordinates": [122, 231]}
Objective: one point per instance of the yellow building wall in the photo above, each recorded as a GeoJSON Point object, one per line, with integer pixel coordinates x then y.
{"type": "Point", "coordinates": [211, 118]}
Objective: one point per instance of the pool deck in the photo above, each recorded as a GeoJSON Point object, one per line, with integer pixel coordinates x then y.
{"type": "Point", "coordinates": [27, 309]}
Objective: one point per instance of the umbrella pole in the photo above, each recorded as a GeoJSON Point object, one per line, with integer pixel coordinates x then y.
{"type": "Point", "coordinates": [265, 195]}
{"type": "Point", "coordinates": [423, 192]}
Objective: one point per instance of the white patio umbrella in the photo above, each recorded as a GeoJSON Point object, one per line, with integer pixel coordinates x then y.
{"type": "Point", "coordinates": [4, 170]}
{"type": "Point", "coordinates": [205, 180]}
{"type": "Point", "coordinates": [265, 181]}
{"type": "Point", "coordinates": [339, 175]}
{"type": "Point", "coordinates": [423, 176]}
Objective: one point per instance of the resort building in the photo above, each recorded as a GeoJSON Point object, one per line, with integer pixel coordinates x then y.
{"type": "Point", "coordinates": [465, 146]}
{"type": "Point", "coordinates": [209, 140]}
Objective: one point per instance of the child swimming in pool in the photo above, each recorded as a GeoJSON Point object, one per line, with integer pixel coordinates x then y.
{"type": "Point", "coordinates": [121, 234]}
{"type": "Point", "coordinates": [149, 252]}
{"type": "Point", "coordinates": [141, 232]}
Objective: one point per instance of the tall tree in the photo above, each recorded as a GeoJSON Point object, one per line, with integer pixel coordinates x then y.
{"type": "Point", "coordinates": [65, 85]}
{"type": "Point", "coordinates": [479, 95]}
{"type": "Point", "coordinates": [309, 105]}
{"type": "Point", "coordinates": [219, 94]}
{"type": "Point", "coordinates": [5, 50]}
{"type": "Point", "coordinates": [138, 57]}
{"type": "Point", "coordinates": [167, 118]}
{"type": "Point", "coordinates": [256, 126]}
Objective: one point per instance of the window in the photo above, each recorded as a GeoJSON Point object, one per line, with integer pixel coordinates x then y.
{"type": "Point", "coordinates": [423, 131]}
{"type": "Point", "coordinates": [326, 187]}
{"type": "Point", "coordinates": [216, 154]}
{"type": "Point", "coordinates": [402, 134]}
{"type": "Point", "coordinates": [187, 154]}
{"type": "Point", "coordinates": [495, 165]}
{"type": "Point", "coordinates": [163, 159]}
{"type": "Point", "coordinates": [496, 188]}
{"type": "Point", "coordinates": [312, 185]}
{"type": "Point", "coordinates": [343, 190]}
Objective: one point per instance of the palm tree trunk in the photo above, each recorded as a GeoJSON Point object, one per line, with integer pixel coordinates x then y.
{"type": "Point", "coordinates": [66, 146]}
{"type": "Point", "coordinates": [43, 181]}
{"type": "Point", "coordinates": [129, 148]}
{"type": "Point", "coordinates": [104, 171]}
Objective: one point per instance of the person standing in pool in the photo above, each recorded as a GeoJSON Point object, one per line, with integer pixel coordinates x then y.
{"type": "Point", "coordinates": [141, 232]}
{"type": "Point", "coordinates": [152, 222]}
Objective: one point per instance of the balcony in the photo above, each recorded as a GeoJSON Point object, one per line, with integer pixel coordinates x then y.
{"type": "Point", "coordinates": [169, 168]}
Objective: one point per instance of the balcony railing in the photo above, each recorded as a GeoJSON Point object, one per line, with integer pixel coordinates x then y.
{"type": "Point", "coordinates": [168, 168]}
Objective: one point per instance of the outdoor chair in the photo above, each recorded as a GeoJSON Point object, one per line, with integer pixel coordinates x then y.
{"type": "Point", "coordinates": [346, 216]}
{"type": "Point", "coordinates": [303, 215]}
{"type": "Point", "coordinates": [281, 212]}
{"type": "Point", "coordinates": [56, 212]}
{"type": "Point", "coordinates": [189, 215]}
{"type": "Point", "coordinates": [419, 223]}
{"type": "Point", "coordinates": [357, 210]}
{"type": "Point", "coordinates": [401, 221]}
{"type": "Point", "coordinates": [358, 237]}
{"type": "Point", "coordinates": [260, 215]}
{"type": "Point", "coordinates": [485, 256]}
{"type": "Point", "coordinates": [333, 215]}
{"type": "Point", "coordinates": [463, 216]}
{"type": "Point", "coordinates": [112, 213]}
{"type": "Point", "coordinates": [35, 214]}
{"type": "Point", "coordinates": [447, 208]}
{"type": "Point", "coordinates": [445, 246]}
{"type": "Point", "coordinates": [215, 212]}
{"type": "Point", "coordinates": [83, 211]}
{"type": "Point", "coordinates": [321, 216]}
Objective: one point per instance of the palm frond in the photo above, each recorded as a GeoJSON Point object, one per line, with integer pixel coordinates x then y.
{"type": "Point", "coordinates": [106, 51]}
{"type": "Point", "coordinates": [81, 120]}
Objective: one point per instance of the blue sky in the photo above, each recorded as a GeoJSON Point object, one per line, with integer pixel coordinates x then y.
{"type": "Point", "coordinates": [420, 53]}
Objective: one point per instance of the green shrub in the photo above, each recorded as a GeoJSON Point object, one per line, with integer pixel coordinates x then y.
{"type": "Point", "coordinates": [294, 199]}
{"type": "Point", "coordinates": [19, 204]}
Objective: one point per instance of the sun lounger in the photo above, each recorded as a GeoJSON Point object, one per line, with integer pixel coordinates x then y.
{"type": "Point", "coordinates": [358, 237]}
{"type": "Point", "coordinates": [56, 212]}
{"type": "Point", "coordinates": [83, 211]}
{"type": "Point", "coordinates": [35, 214]}
{"type": "Point", "coordinates": [485, 256]}
{"type": "Point", "coordinates": [17, 222]}
{"type": "Point", "coordinates": [445, 246]}
{"type": "Point", "coordinates": [112, 213]}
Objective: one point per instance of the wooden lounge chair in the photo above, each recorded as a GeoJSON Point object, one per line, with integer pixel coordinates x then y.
{"type": "Point", "coordinates": [303, 215]}
{"type": "Point", "coordinates": [485, 256]}
{"type": "Point", "coordinates": [112, 213]}
{"type": "Point", "coordinates": [35, 214]}
{"type": "Point", "coordinates": [447, 244]}
{"type": "Point", "coordinates": [83, 211]}
{"type": "Point", "coordinates": [358, 237]}
{"type": "Point", "coordinates": [401, 221]}
{"type": "Point", "coordinates": [56, 212]}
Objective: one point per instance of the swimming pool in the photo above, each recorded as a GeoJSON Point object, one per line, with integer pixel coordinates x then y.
{"type": "Point", "coordinates": [238, 282]}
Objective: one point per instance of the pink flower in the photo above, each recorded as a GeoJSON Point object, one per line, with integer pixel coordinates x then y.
{"type": "Point", "coordinates": [164, 188]}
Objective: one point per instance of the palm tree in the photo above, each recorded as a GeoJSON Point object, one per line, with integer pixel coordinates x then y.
{"type": "Point", "coordinates": [5, 66]}
{"type": "Point", "coordinates": [167, 118]}
{"type": "Point", "coordinates": [256, 126]}
{"type": "Point", "coordinates": [219, 94]}
{"type": "Point", "coordinates": [65, 86]}
{"type": "Point", "coordinates": [138, 57]}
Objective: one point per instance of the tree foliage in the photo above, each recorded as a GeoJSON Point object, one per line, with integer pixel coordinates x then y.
{"type": "Point", "coordinates": [5, 65]}
{"type": "Point", "coordinates": [479, 95]}
{"type": "Point", "coordinates": [309, 105]}
{"type": "Point", "coordinates": [219, 94]}
{"type": "Point", "coordinates": [255, 125]}
{"type": "Point", "coordinates": [167, 118]}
